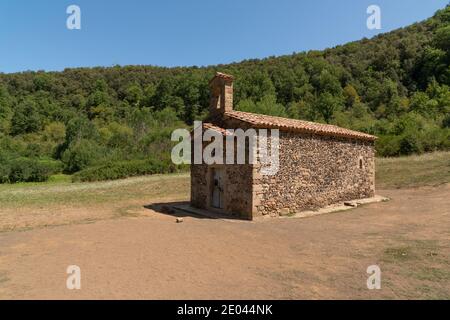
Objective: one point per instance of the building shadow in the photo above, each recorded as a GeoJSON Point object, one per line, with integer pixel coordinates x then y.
{"type": "Point", "coordinates": [173, 209]}
{"type": "Point", "coordinates": [183, 209]}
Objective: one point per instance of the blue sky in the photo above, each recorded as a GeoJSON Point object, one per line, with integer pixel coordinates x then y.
{"type": "Point", "coordinates": [33, 34]}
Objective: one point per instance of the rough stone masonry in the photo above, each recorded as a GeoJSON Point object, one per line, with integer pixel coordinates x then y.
{"type": "Point", "coordinates": [319, 165]}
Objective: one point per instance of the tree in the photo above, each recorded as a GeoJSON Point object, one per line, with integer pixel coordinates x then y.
{"type": "Point", "coordinates": [328, 83]}
{"type": "Point", "coordinates": [267, 105]}
{"type": "Point", "coordinates": [55, 132]}
{"type": "Point", "coordinates": [422, 104]}
{"type": "Point", "coordinates": [141, 122]}
{"type": "Point", "coordinates": [327, 104]}
{"type": "Point", "coordinates": [442, 38]}
{"type": "Point", "coordinates": [254, 85]}
{"type": "Point", "coordinates": [5, 110]}
{"type": "Point", "coordinates": [351, 96]}
{"type": "Point", "coordinates": [80, 128]}
{"type": "Point", "coordinates": [26, 118]}
{"type": "Point", "coordinates": [79, 155]}
{"type": "Point", "coordinates": [149, 96]}
{"type": "Point", "coordinates": [120, 135]}
{"type": "Point", "coordinates": [432, 66]}
{"type": "Point", "coordinates": [134, 95]}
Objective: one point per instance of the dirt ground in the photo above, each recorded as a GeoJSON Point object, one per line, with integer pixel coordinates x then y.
{"type": "Point", "coordinates": [147, 255]}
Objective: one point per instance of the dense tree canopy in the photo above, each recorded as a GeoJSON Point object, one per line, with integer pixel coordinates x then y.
{"type": "Point", "coordinates": [395, 85]}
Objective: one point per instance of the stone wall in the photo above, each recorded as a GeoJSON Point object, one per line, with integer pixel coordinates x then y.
{"type": "Point", "coordinates": [238, 184]}
{"type": "Point", "coordinates": [315, 171]}
{"type": "Point", "coordinates": [199, 185]}
{"type": "Point", "coordinates": [238, 190]}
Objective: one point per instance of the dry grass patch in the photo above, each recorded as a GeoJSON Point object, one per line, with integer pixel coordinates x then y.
{"type": "Point", "coordinates": [29, 206]}
{"type": "Point", "coordinates": [413, 171]}
{"type": "Point", "coordinates": [426, 266]}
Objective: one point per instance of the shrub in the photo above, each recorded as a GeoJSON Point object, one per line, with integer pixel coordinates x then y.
{"type": "Point", "coordinates": [436, 139]}
{"type": "Point", "coordinates": [28, 170]}
{"type": "Point", "coordinates": [124, 169]}
{"type": "Point", "coordinates": [22, 169]}
{"type": "Point", "coordinates": [80, 155]}
{"type": "Point", "coordinates": [5, 169]}
{"type": "Point", "coordinates": [4, 173]}
{"type": "Point", "coordinates": [80, 128]}
{"type": "Point", "coordinates": [388, 146]}
{"type": "Point", "coordinates": [54, 166]}
{"type": "Point", "coordinates": [446, 121]}
{"type": "Point", "coordinates": [410, 143]}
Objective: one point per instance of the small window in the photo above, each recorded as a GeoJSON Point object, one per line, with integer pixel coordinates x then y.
{"type": "Point", "coordinates": [360, 163]}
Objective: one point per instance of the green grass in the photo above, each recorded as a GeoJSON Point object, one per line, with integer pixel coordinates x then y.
{"type": "Point", "coordinates": [60, 191]}
{"type": "Point", "coordinates": [60, 178]}
{"type": "Point", "coordinates": [413, 171]}
{"type": "Point", "coordinates": [54, 179]}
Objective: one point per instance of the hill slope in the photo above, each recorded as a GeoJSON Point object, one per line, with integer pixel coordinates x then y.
{"type": "Point", "coordinates": [395, 85]}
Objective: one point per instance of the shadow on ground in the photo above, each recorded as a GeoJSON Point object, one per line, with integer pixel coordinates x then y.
{"type": "Point", "coordinates": [183, 209]}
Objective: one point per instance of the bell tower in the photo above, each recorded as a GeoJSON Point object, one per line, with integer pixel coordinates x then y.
{"type": "Point", "coordinates": [221, 95]}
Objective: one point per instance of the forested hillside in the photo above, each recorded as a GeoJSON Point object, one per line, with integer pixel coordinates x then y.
{"type": "Point", "coordinates": [105, 123]}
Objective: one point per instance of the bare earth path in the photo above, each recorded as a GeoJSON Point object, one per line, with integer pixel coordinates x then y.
{"type": "Point", "coordinates": [149, 256]}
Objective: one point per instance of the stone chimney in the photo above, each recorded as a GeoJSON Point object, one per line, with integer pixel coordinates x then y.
{"type": "Point", "coordinates": [221, 95]}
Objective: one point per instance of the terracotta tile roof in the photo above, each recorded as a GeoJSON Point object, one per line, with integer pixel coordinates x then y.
{"type": "Point", "coordinates": [223, 76]}
{"type": "Point", "coordinates": [284, 124]}
{"type": "Point", "coordinates": [210, 126]}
